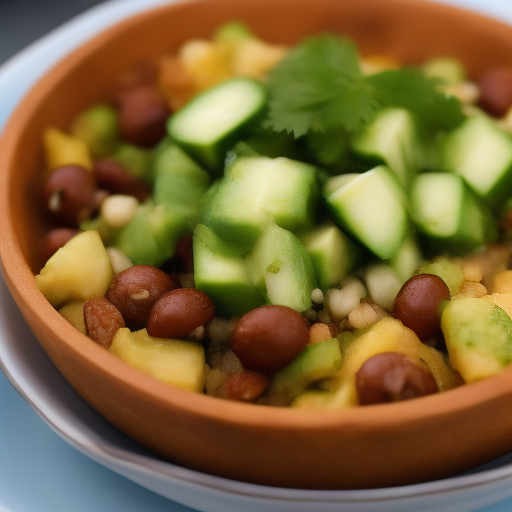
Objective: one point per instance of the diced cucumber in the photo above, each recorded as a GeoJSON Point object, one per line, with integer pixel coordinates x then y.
{"type": "Point", "coordinates": [315, 362]}
{"type": "Point", "coordinates": [223, 278]}
{"type": "Point", "coordinates": [178, 178]}
{"type": "Point", "coordinates": [151, 236]}
{"type": "Point", "coordinates": [256, 191]}
{"type": "Point", "coordinates": [450, 214]}
{"type": "Point", "coordinates": [481, 153]}
{"type": "Point", "coordinates": [135, 160]}
{"type": "Point", "coordinates": [280, 267]}
{"type": "Point", "coordinates": [98, 127]}
{"type": "Point", "coordinates": [408, 258]}
{"type": "Point", "coordinates": [211, 123]}
{"type": "Point", "coordinates": [332, 253]}
{"type": "Point", "coordinates": [372, 207]}
{"type": "Point", "coordinates": [391, 139]}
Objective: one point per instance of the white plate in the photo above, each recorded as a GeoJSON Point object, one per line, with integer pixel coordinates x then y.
{"type": "Point", "coordinates": [35, 377]}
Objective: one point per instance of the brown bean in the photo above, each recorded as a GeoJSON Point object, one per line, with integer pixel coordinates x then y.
{"type": "Point", "coordinates": [179, 312]}
{"type": "Point", "coordinates": [392, 377]}
{"type": "Point", "coordinates": [68, 194]}
{"type": "Point", "coordinates": [267, 338]}
{"type": "Point", "coordinates": [243, 387]}
{"type": "Point", "coordinates": [113, 177]}
{"type": "Point", "coordinates": [54, 240]}
{"type": "Point", "coordinates": [102, 321]}
{"type": "Point", "coordinates": [496, 91]}
{"type": "Point", "coordinates": [142, 115]}
{"type": "Point", "coordinates": [136, 290]}
{"type": "Point", "coordinates": [417, 304]}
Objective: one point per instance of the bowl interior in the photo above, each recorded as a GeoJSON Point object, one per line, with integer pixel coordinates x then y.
{"type": "Point", "coordinates": [410, 31]}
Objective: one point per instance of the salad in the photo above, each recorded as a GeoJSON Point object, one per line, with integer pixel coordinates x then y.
{"type": "Point", "coordinates": [298, 226]}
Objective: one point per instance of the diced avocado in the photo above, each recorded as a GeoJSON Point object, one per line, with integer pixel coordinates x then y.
{"type": "Point", "coordinates": [178, 178]}
{"type": "Point", "coordinates": [177, 362]}
{"type": "Point", "coordinates": [256, 191]}
{"type": "Point", "coordinates": [449, 272]}
{"type": "Point", "coordinates": [390, 138]}
{"type": "Point", "coordinates": [222, 277]}
{"type": "Point", "coordinates": [481, 153]}
{"type": "Point", "coordinates": [208, 126]}
{"type": "Point", "coordinates": [151, 236]}
{"type": "Point", "coordinates": [332, 253]}
{"type": "Point", "coordinates": [233, 32]}
{"type": "Point", "coordinates": [280, 267]}
{"type": "Point", "coordinates": [450, 215]}
{"type": "Point", "coordinates": [408, 258]}
{"type": "Point", "coordinates": [73, 312]}
{"type": "Point", "coordinates": [478, 336]}
{"type": "Point", "coordinates": [372, 207]}
{"type": "Point", "coordinates": [450, 71]}
{"type": "Point", "coordinates": [79, 270]}
{"type": "Point", "coordinates": [315, 362]}
{"type": "Point", "coordinates": [323, 399]}
{"type": "Point", "coordinates": [135, 160]}
{"type": "Point", "coordinates": [107, 233]}
{"type": "Point", "coordinates": [98, 127]}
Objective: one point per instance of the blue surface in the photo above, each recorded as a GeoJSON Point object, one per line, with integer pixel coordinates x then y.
{"type": "Point", "coordinates": [39, 472]}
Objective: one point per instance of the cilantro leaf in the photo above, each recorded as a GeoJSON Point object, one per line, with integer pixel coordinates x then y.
{"type": "Point", "coordinates": [319, 86]}
{"type": "Point", "coordinates": [413, 90]}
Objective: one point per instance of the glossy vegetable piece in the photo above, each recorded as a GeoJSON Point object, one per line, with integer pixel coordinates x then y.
{"type": "Point", "coordinates": [62, 149]}
{"type": "Point", "coordinates": [372, 208]}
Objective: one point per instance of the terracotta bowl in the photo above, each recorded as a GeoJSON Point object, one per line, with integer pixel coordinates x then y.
{"type": "Point", "coordinates": [366, 447]}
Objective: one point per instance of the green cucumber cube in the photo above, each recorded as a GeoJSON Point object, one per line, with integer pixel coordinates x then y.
{"type": "Point", "coordinates": [372, 207]}
{"type": "Point", "coordinates": [332, 253]}
{"type": "Point", "coordinates": [210, 125]}
{"type": "Point", "coordinates": [314, 363]}
{"type": "Point", "coordinates": [450, 214]}
{"type": "Point", "coordinates": [280, 267]}
{"type": "Point", "coordinates": [408, 258]}
{"type": "Point", "coordinates": [257, 191]}
{"type": "Point", "coordinates": [481, 153]}
{"type": "Point", "coordinates": [390, 138]}
{"type": "Point", "coordinates": [223, 278]}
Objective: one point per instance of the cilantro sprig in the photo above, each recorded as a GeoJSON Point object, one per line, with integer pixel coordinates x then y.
{"type": "Point", "coordinates": [319, 87]}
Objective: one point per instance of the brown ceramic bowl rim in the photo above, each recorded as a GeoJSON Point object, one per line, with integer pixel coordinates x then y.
{"type": "Point", "coordinates": [19, 276]}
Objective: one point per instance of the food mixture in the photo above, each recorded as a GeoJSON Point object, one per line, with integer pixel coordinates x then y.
{"type": "Point", "coordinates": [297, 226]}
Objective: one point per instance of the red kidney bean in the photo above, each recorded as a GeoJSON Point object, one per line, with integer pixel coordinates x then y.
{"type": "Point", "coordinates": [179, 312]}
{"type": "Point", "coordinates": [142, 115]}
{"type": "Point", "coordinates": [135, 291]}
{"type": "Point", "coordinates": [267, 338]}
{"type": "Point", "coordinates": [496, 91]}
{"type": "Point", "coordinates": [243, 387]}
{"type": "Point", "coordinates": [54, 240]}
{"type": "Point", "coordinates": [392, 377]}
{"type": "Point", "coordinates": [417, 304]}
{"type": "Point", "coordinates": [102, 320]}
{"type": "Point", "coordinates": [183, 254]}
{"type": "Point", "coordinates": [113, 177]}
{"type": "Point", "coordinates": [68, 194]}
